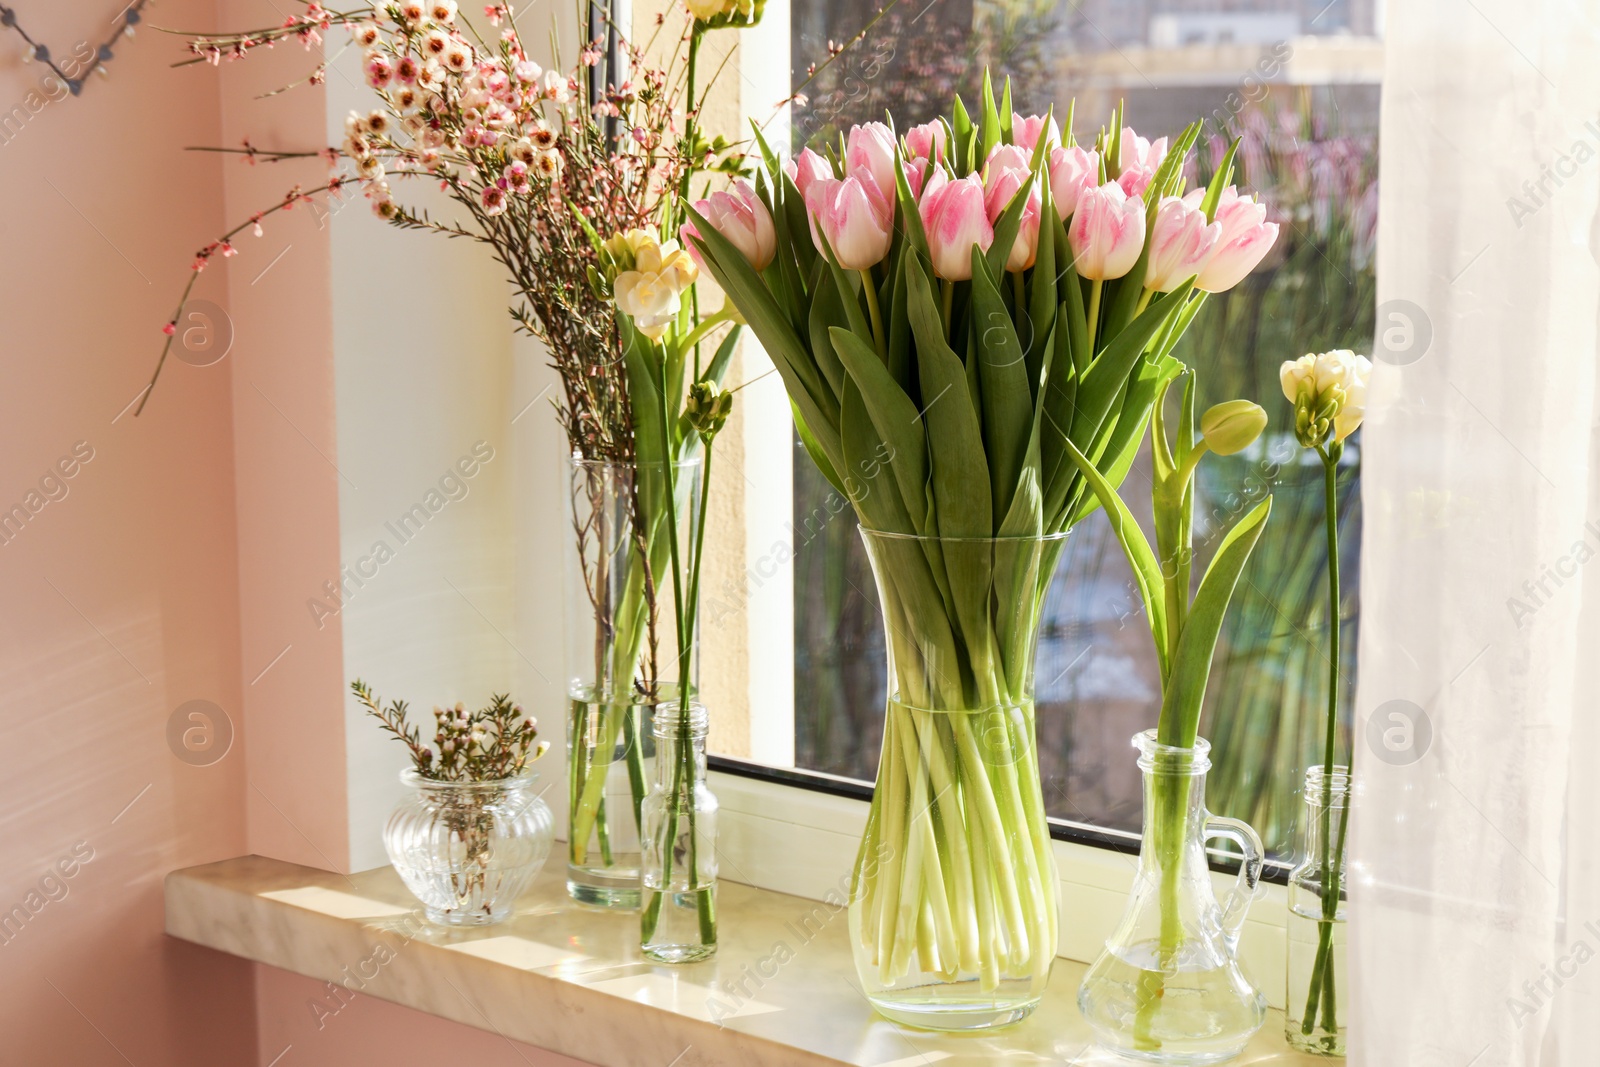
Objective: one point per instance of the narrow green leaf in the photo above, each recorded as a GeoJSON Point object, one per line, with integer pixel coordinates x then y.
{"type": "Point", "coordinates": [1185, 690]}
{"type": "Point", "coordinates": [893, 415]}
{"type": "Point", "coordinates": [717, 369]}
{"type": "Point", "coordinates": [1041, 309]}
{"type": "Point", "coordinates": [815, 451]}
{"type": "Point", "coordinates": [1006, 112]}
{"type": "Point", "coordinates": [990, 123]}
{"type": "Point", "coordinates": [1219, 182]}
{"type": "Point", "coordinates": [1111, 369]}
{"type": "Point", "coordinates": [961, 130]}
{"type": "Point", "coordinates": [1005, 233]}
{"type": "Point", "coordinates": [878, 502]}
{"type": "Point", "coordinates": [1007, 399]}
{"type": "Point", "coordinates": [1141, 558]}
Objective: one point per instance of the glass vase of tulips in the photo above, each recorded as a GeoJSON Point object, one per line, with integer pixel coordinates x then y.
{"type": "Point", "coordinates": [973, 322]}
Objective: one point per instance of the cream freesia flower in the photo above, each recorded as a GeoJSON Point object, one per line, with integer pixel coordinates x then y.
{"type": "Point", "coordinates": [1329, 392]}
{"type": "Point", "coordinates": [651, 292]}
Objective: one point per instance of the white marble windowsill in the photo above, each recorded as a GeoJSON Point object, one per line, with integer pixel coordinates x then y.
{"type": "Point", "coordinates": [781, 990]}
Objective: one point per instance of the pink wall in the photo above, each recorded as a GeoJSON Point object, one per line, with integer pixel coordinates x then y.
{"type": "Point", "coordinates": [119, 597]}
{"type": "Point", "coordinates": [171, 565]}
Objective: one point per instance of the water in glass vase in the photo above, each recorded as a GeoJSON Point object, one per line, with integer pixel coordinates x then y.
{"type": "Point", "coordinates": [610, 753]}
{"type": "Point", "coordinates": [1205, 1005]}
{"type": "Point", "coordinates": [1305, 930]}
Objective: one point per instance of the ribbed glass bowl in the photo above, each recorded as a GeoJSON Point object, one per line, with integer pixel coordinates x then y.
{"type": "Point", "coordinates": [468, 850]}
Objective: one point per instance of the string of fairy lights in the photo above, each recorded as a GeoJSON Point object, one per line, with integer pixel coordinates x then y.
{"type": "Point", "coordinates": [122, 26]}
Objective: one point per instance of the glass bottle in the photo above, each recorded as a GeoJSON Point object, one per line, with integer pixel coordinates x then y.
{"type": "Point", "coordinates": [1316, 924]}
{"type": "Point", "coordinates": [1167, 988]}
{"type": "Point", "coordinates": [677, 913]}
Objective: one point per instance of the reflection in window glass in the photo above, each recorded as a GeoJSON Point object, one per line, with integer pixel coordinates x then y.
{"type": "Point", "coordinates": [1298, 84]}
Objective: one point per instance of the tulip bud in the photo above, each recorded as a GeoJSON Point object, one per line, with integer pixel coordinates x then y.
{"type": "Point", "coordinates": [927, 141]}
{"type": "Point", "coordinates": [1232, 426]}
{"type": "Point", "coordinates": [806, 168]}
{"type": "Point", "coordinates": [1136, 151]}
{"type": "Point", "coordinates": [869, 155]}
{"type": "Point", "coordinates": [1006, 173]}
{"type": "Point", "coordinates": [1072, 170]}
{"type": "Point", "coordinates": [954, 219]}
{"type": "Point", "coordinates": [741, 217]}
{"type": "Point", "coordinates": [1027, 131]}
{"type": "Point", "coordinates": [850, 216]}
{"type": "Point", "coordinates": [1107, 232]}
{"type": "Point", "coordinates": [1180, 244]}
{"type": "Point", "coordinates": [1246, 239]}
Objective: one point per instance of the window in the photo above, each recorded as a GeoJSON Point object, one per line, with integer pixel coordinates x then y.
{"type": "Point", "coordinates": [1298, 83]}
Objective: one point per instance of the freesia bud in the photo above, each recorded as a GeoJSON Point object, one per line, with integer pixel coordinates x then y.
{"type": "Point", "coordinates": [1246, 239]}
{"type": "Point", "coordinates": [954, 219]}
{"type": "Point", "coordinates": [1298, 374]}
{"type": "Point", "coordinates": [707, 407]}
{"type": "Point", "coordinates": [1026, 131]}
{"type": "Point", "coordinates": [741, 217]}
{"type": "Point", "coordinates": [927, 141]}
{"type": "Point", "coordinates": [869, 155]}
{"type": "Point", "coordinates": [1072, 170]}
{"type": "Point", "coordinates": [1107, 232]}
{"type": "Point", "coordinates": [852, 218]}
{"type": "Point", "coordinates": [1180, 244]}
{"type": "Point", "coordinates": [805, 169]}
{"type": "Point", "coordinates": [1232, 426]}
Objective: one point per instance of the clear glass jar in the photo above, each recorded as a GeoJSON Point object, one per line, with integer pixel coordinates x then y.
{"type": "Point", "coordinates": [1168, 988]}
{"type": "Point", "coordinates": [678, 906]}
{"type": "Point", "coordinates": [954, 904]}
{"type": "Point", "coordinates": [621, 660]}
{"type": "Point", "coordinates": [468, 850]}
{"type": "Point", "coordinates": [1318, 899]}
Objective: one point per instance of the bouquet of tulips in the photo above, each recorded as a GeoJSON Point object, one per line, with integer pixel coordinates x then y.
{"type": "Point", "coordinates": [969, 319]}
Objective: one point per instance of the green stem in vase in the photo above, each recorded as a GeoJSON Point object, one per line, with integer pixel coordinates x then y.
{"type": "Point", "coordinates": [1322, 994]}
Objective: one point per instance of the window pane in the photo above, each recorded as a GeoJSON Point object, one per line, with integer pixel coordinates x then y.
{"type": "Point", "coordinates": [1298, 84]}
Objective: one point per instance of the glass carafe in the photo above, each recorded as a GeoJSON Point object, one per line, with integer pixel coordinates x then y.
{"type": "Point", "coordinates": [1167, 988]}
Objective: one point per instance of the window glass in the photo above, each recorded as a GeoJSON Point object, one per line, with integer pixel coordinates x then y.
{"type": "Point", "coordinates": [1298, 84]}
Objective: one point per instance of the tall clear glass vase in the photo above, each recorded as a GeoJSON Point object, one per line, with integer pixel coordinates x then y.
{"type": "Point", "coordinates": [1167, 988]}
{"type": "Point", "coordinates": [1318, 1003]}
{"type": "Point", "coordinates": [954, 907]}
{"type": "Point", "coordinates": [621, 663]}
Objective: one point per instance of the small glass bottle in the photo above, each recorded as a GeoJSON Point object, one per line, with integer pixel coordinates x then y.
{"type": "Point", "coordinates": [1318, 900]}
{"type": "Point", "coordinates": [677, 915]}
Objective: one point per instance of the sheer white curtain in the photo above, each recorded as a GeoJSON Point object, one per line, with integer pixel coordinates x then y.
{"type": "Point", "coordinates": [1476, 901]}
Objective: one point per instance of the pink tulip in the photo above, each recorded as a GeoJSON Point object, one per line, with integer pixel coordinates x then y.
{"type": "Point", "coordinates": [1026, 131]}
{"type": "Point", "coordinates": [916, 175]}
{"type": "Point", "coordinates": [1181, 243]}
{"type": "Point", "coordinates": [1246, 238]}
{"type": "Point", "coordinates": [1135, 180]}
{"type": "Point", "coordinates": [1107, 232]}
{"type": "Point", "coordinates": [927, 141]}
{"type": "Point", "coordinates": [1140, 152]}
{"type": "Point", "coordinates": [741, 217]}
{"type": "Point", "coordinates": [852, 218]}
{"type": "Point", "coordinates": [1006, 173]}
{"type": "Point", "coordinates": [1072, 170]}
{"type": "Point", "coordinates": [869, 155]}
{"type": "Point", "coordinates": [806, 169]}
{"type": "Point", "coordinates": [954, 219]}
